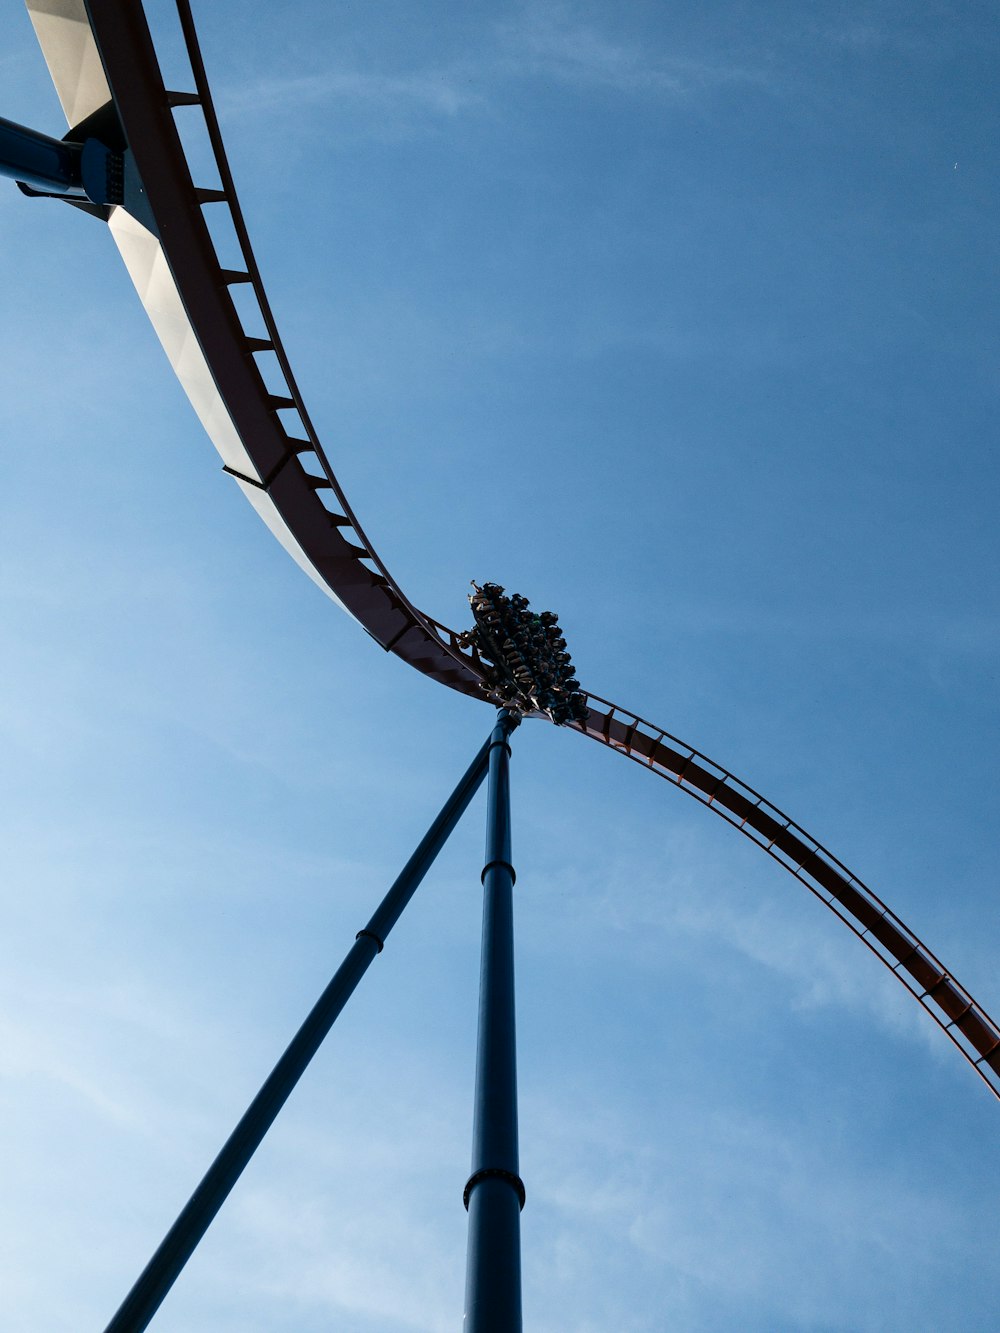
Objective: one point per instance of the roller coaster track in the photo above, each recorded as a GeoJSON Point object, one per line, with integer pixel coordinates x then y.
{"type": "Point", "coordinates": [101, 55]}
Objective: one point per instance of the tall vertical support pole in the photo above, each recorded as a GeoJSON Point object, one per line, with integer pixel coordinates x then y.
{"type": "Point", "coordinates": [494, 1194]}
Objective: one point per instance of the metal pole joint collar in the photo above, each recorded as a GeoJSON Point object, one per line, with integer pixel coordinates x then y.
{"type": "Point", "coordinates": [494, 1173]}
{"type": "Point", "coordinates": [494, 865]}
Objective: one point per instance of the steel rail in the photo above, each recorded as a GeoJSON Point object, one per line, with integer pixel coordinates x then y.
{"type": "Point", "coordinates": [430, 627]}
{"type": "Point", "coordinates": [193, 290]}
{"type": "Point", "coordinates": [186, 292]}
{"type": "Point", "coordinates": [960, 1017]}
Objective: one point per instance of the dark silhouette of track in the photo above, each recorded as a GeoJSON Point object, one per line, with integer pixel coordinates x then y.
{"type": "Point", "coordinates": [100, 53]}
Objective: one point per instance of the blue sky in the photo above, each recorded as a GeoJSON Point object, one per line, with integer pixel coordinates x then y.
{"type": "Point", "coordinates": [681, 321]}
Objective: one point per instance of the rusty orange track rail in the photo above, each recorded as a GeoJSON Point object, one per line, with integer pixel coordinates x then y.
{"type": "Point", "coordinates": [951, 1006]}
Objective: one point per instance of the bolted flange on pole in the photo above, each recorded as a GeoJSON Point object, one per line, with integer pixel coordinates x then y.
{"type": "Point", "coordinates": [494, 1193]}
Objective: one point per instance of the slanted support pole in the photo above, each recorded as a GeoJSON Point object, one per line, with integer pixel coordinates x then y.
{"type": "Point", "coordinates": [143, 1301]}
{"type": "Point", "coordinates": [494, 1194]}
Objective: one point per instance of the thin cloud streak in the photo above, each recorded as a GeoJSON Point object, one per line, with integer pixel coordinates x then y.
{"type": "Point", "coordinates": [441, 93]}
{"type": "Point", "coordinates": [813, 958]}
{"type": "Point", "coordinates": [599, 1179]}
{"type": "Point", "coordinates": [547, 47]}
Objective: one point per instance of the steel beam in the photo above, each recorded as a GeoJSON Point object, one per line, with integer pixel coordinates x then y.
{"type": "Point", "coordinates": [40, 161]}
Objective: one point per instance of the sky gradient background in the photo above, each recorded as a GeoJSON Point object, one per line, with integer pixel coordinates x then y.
{"type": "Point", "coordinates": [680, 320]}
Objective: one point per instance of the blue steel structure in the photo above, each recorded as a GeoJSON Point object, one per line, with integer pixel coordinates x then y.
{"type": "Point", "coordinates": [122, 161]}
{"type": "Point", "coordinates": [36, 159]}
{"type": "Point", "coordinates": [494, 1193]}
{"type": "Point", "coordinates": [494, 1287]}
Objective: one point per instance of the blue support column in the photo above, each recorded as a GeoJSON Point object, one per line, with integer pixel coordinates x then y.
{"type": "Point", "coordinates": [156, 1279]}
{"type": "Point", "coordinates": [39, 160]}
{"type": "Point", "coordinates": [494, 1194]}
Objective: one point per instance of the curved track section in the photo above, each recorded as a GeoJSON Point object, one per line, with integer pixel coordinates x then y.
{"type": "Point", "coordinates": [951, 1006]}
{"type": "Point", "coordinates": [101, 52]}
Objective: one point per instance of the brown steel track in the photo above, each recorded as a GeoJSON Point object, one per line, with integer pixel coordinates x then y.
{"type": "Point", "coordinates": [926, 978]}
{"type": "Point", "coordinates": [295, 475]}
{"type": "Point", "coordinates": [292, 471]}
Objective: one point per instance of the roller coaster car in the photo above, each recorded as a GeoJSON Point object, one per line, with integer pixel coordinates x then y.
{"type": "Point", "coordinates": [531, 669]}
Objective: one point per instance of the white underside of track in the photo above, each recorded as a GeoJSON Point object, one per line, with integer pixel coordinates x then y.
{"type": "Point", "coordinates": [147, 266]}
{"type": "Point", "coordinates": [74, 63]}
{"type": "Point", "coordinates": [63, 32]}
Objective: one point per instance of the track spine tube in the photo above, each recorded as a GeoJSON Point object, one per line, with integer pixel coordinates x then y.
{"type": "Point", "coordinates": [159, 1275]}
{"type": "Point", "coordinates": [494, 1193]}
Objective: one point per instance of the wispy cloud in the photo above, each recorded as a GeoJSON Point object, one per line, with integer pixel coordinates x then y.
{"type": "Point", "coordinates": [811, 1224]}
{"type": "Point", "coordinates": [547, 43]}
{"type": "Point", "coordinates": [956, 632]}
{"type": "Point", "coordinates": [71, 1036]}
{"type": "Point", "coordinates": [551, 43]}
{"type": "Point", "coordinates": [876, 30]}
{"type": "Point", "coordinates": [438, 92]}
{"type": "Point", "coordinates": [734, 924]}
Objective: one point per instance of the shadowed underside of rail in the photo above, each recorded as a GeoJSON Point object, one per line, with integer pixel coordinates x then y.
{"type": "Point", "coordinates": [101, 56]}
